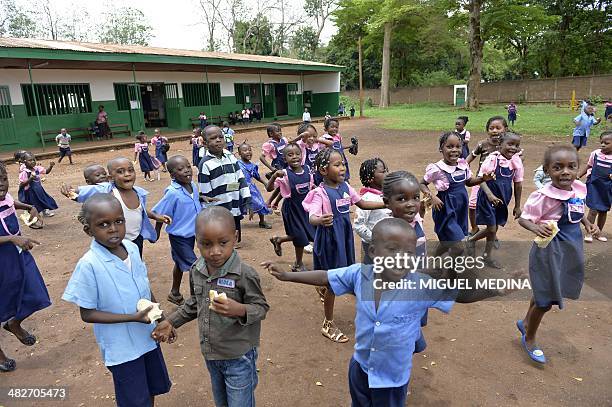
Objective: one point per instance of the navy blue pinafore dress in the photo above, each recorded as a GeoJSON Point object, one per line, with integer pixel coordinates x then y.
{"type": "Point", "coordinates": [36, 195]}
{"type": "Point", "coordinates": [144, 159]}
{"type": "Point", "coordinates": [23, 288]}
{"type": "Point", "coordinates": [501, 187]}
{"type": "Point", "coordinates": [333, 245]}
{"type": "Point", "coordinates": [279, 162]}
{"type": "Point", "coordinates": [599, 186]}
{"type": "Point", "coordinates": [311, 154]}
{"type": "Point", "coordinates": [295, 218]}
{"type": "Point", "coordinates": [557, 271]}
{"type": "Point", "coordinates": [451, 222]}
{"type": "Point", "coordinates": [338, 147]}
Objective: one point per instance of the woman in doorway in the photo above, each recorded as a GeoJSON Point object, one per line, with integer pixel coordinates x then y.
{"type": "Point", "coordinates": [102, 122]}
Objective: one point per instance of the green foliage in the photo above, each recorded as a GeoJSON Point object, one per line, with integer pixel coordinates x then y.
{"type": "Point", "coordinates": [126, 25]}
{"type": "Point", "coordinates": [15, 21]}
{"type": "Point", "coordinates": [303, 44]}
{"type": "Point", "coordinates": [254, 36]}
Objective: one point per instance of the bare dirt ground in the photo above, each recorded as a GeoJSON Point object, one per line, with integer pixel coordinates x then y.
{"type": "Point", "coordinates": [473, 356]}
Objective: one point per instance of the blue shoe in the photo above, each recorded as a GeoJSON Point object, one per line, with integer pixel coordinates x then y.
{"type": "Point", "coordinates": [521, 327]}
{"type": "Point", "coordinates": [535, 354]}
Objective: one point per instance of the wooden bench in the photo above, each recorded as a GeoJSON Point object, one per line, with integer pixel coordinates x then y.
{"type": "Point", "coordinates": [75, 133]}
{"type": "Point", "coordinates": [120, 129]}
{"type": "Point", "coordinates": [216, 120]}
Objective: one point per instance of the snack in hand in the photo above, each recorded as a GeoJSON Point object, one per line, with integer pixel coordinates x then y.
{"type": "Point", "coordinates": [25, 217]}
{"type": "Point", "coordinates": [542, 242]}
{"type": "Point", "coordinates": [212, 294]}
{"type": "Point", "coordinates": [154, 314]}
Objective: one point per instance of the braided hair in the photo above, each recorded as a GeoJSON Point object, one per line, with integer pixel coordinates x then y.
{"type": "Point", "coordinates": [323, 157]}
{"type": "Point", "coordinates": [393, 178]}
{"type": "Point", "coordinates": [18, 156]}
{"type": "Point", "coordinates": [305, 126]}
{"type": "Point", "coordinates": [329, 121]}
{"type": "Point", "coordinates": [464, 119]}
{"type": "Point", "coordinates": [3, 170]}
{"type": "Point", "coordinates": [367, 169]}
{"type": "Point", "coordinates": [444, 137]}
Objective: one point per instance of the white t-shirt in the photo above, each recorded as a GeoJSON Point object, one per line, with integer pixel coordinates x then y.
{"type": "Point", "coordinates": [245, 114]}
{"type": "Point", "coordinates": [128, 262]}
{"type": "Point", "coordinates": [133, 218]}
{"type": "Point", "coordinates": [306, 117]}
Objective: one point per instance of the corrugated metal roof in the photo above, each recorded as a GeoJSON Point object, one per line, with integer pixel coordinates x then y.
{"type": "Point", "coordinates": [136, 49]}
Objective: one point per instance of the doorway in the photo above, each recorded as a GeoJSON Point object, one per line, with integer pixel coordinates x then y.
{"type": "Point", "coordinates": [280, 96]}
{"type": "Point", "coordinates": [153, 104]}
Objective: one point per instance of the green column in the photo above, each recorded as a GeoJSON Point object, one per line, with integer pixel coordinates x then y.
{"type": "Point", "coordinates": [42, 138]}
{"type": "Point", "coordinates": [261, 92]}
{"type": "Point", "coordinates": [207, 91]}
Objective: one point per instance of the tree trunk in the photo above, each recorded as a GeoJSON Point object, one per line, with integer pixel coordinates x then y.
{"type": "Point", "coordinates": [386, 65]}
{"type": "Point", "coordinates": [476, 46]}
{"type": "Point", "coordinates": [360, 78]}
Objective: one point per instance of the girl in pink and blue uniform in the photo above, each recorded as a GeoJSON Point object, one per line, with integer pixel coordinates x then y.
{"type": "Point", "coordinates": [22, 288]}
{"type": "Point", "coordinates": [141, 153]}
{"type": "Point", "coordinates": [251, 174]}
{"type": "Point", "coordinates": [557, 270]}
{"type": "Point", "coordinates": [463, 134]}
{"type": "Point", "coordinates": [328, 207]}
{"type": "Point", "coordinates": [31, 190]}
{"type": "Point", "coordinates": [310, 146]}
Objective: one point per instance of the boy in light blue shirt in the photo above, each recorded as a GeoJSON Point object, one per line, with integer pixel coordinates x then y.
{"type": "Point", "coordinates": [387, 320]}
{"type": "Point", "coordinates": [181, 203]}
{"type": "Point", "coordinates": [107, 284]}
{"type": "Point", "coordinates": [584, 121]}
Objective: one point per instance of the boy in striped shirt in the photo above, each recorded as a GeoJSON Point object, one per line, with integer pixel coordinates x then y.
{"type": "Point", "coordinates": [220, 178]}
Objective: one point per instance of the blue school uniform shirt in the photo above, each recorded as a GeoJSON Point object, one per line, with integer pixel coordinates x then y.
{"type": "Point", "coordinates": [384, 338]}
{"type": "Point", "coordinates": [583, 128]}
{"type": "Point", "coordinates": [102, 281]}
{"type": "Point", "coordinates": [182, 207]}
{"type": "Point", "coordinates": [146, 229]}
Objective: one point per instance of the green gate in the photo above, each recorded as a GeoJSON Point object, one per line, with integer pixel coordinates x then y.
{"type": "Point", "coordinates": [136, 113]}
{"type": "Point", "coordinates": [269, 100]}
{"type": "Point", "coordinates": [173, 107]}
{"type": "Point", "coordinates": [292, 101]}
{"type": "Point", "coordinates": [7, 118]}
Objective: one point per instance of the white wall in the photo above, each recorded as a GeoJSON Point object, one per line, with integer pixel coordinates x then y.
{"type": "Point", "coordinates": [322, 83]}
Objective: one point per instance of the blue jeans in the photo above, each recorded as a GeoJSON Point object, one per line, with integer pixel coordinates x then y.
{"type": "Point", "coordinates": [234, 380]}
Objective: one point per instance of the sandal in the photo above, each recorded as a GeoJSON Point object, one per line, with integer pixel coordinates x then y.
{"type": "Point", "coordinates": [521, 326]}
{"type": "Point", "coordinates": [602, 238]}
{"type": "Point", "coordinates": [331, 331]}
{"type": "Point", "coordinates": [36, 225]}
{"type": "Point", "coordinates": [176, 299]}
{"type": "Point", "coordinates": [321, 291]}
{"type": "Point", "coordinates": [28, 340]}
{"type": "Point", "coordinates": [277, 246]}
{"type": "Point", "coordinates": [296, 269]}
{"type": "Point", "coordinates": [265, 225]}
{"type": "Point", "coordinates": [8, 365]}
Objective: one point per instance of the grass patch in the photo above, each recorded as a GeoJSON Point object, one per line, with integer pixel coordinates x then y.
{"type": "Point", "coordinates": [541, 119]}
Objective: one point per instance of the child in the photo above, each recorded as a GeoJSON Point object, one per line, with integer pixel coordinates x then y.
{"type": "Point", "coordinates": [540, 178]}
{"type": "Point", "coordinates": [221, 180]}
{"type": "Point", "coordinates": [309, 144]}
{"type": "Point", "coordinates": [229, 328]}
{"type": "Point", "coordinates": [181, 203]}
{"type": "Point", "coordinates": [495, 127]}
{"type": "Point", "coordinates": [599, 185]}
{"type": "Point", "coordinates": [294, 183]}
{"type": "Point", "coordinates": [387, 321]}
{"type": "Point", "coordinates": [18, 157]}
{"type": "Point", "coordinates": [196, 142]}
{"type": "Point", "coordinates": [133, 200]}
{"type": "Point", "coordinates": [141, 154]}
{"type": "Point", "coordinates": [161, 148]}
{"type": "Point", "coordinates": [31, 191]}
{"type": "Point", "coordinates": [203, 120]}
{"type": "Point", "coordinates": [106, 284]}
{"type": "Point", "coordinates": [352, 110]}
{"type": "Point", "coordinates": [556, 271]}
{"type": "Point", "coordinates": [511, 113]}
{"type": "Point", "coordinates": [63, 142]}
{"type": "Point", "coordinates": [372, 173]}
{"type": "Point", "coordinates": [327, 116]}
{"type": "Point", "coordinates": [272, 157]}
{"type": "Point", "coordinates": [332, 138]}
{"type": "Point", "coordinates": [22, 287]}
{"type": "Point", "coordinates": [251, 174]}
{"type": "Point", "coordinates": [494, 196]}
{"type": "Point", "coordinates": [95, 174]}
{"type": "Point", "coordinates": [450, 176]}
{"type": "Point", "coordinates": [463, 134]}
{"type": "Point", "coordinates": [584, 121]}
{"type": "Point", "coordinates": [328, 207]}
{"type": "Point", "coordinates": [228, 133]}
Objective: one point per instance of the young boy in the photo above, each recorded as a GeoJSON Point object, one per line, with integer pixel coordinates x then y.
{"type": "Point", "coordinates": [221, 180]}
{"type": "Point", "coordinates": [63, 142]}
{"type": "Point", "coordinates": [584, 121]}
{"type": "Point", "coordinates": [228, 133]}
{"type": "Point", "coordinates": [182, 204]}
{"type": "Point", "coordinates": [386, 331]}
{"type": "Point", "coordinates": [107, 283]}
{"type": "Point", "coordinates": [95, 174]}
{"type": "Point", "coordinates": [229, 327]}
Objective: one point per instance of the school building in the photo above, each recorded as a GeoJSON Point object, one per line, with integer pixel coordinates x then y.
{"type": "Point", "coordinates": [46, 85]}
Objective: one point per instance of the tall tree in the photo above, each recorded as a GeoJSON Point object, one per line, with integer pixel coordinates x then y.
{"type": "Point", "coordinates": [303, 43]}
{"type": "Point", "coordinates": [211, 11]}
{"type": "Point", "coordinates": [476, 45]}
{"type": "Point", "coordinates": [231, 13]}
{"type": "Point", "coordinates": [254, 36]}
{"type": "Point", "coordinates": [320, 11]}
{"type": "Point", "coordinates": [286, 21]}
{"type": "Point", "coordinates": [16, 21]}
{"type": "Point", "coordinates": [50, 18]}
{"type": "Point", "coordinates": [126, 25]}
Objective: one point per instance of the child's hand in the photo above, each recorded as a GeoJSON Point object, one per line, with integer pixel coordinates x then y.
{"type": "Point", "coordinates": [208, 199]}
{"type": "Point", "coordinates": [228, 307]}
{"type": "Point", "coordinates": [436, 203]}
{"type": "Point", "coordinates": [164, 331]}
{"type": "Point", "coordinates": [33, 213]}
{"type": "Point", "coordinates": [543, 230]}
{"type": "Point", "coordinates": [495, 201]}
{"type": "Point", "coordinates": [52, 164]}
{"type": "Point", "coordinates": [275, 270]}
{"type": "Point", "coordinates": [488, 177]}
{"type": "Point", "coordinates": [24, 243]}
{"type": "Point", "coordinates": [67, 190]}
{"type": "Point", "coordinates": [592, 229]}
{"type": "Point", "coordinates": [327, 219]}
{"type": "Point", "coordinates": [141, 316]}
{"type": "Point", "coordinates": [517, 212]}
{"type": "Point", "coordinates": [163, 219]}
{"type": "Point", "coordinates": [279, 174]}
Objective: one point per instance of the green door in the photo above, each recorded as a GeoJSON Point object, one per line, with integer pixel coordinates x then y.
{"type": "Point", "coordinates": [136, 113]}
{"type": "Point", "coordinates": [269, 101]}
{"type": "Point", "coordinates": [173, 107]}
{"type": "Point", "coordinates": [460, 97]}
{"type": "Point", "coordinates": [292, 101]}
{"type": "Point", "coordinates": [7, 119]}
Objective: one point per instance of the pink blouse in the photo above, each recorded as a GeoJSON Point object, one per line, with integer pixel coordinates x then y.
{"type": "Point", "coordinates": [24, 174]}
{"type": "Point", "coordinates": [315, 146]}
{"type": "Point", "coordinates": [436, 173]}
{"type": "Point", "coordinates": [7, 201]}
{"type": "Point", "coordinates": [607, 159]}
{"type": "Point", "coordinates": [515, 163]}
{"type": "Point", "coordinates": [317, 202]}
{"type": "Point", "coordinates": [285, 188]}
{"type": "Point", "coordinates": [138, 147]}
{"type": "Point", "coordinates": [466, 135]}
{"type": "Point", "coordinates": [268, 149]}
{"type": "Point", "coordinates": [546, 204]}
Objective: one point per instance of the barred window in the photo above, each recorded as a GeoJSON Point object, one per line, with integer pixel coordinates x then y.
{"type": "Point", "coordinates": [201, 94]}
{"type": "Point", "coordinates": [57, 99]}
{"type": "Point", "coordinates": [122, 96]}
{"type": "Point", "coordinates": [239, 93]}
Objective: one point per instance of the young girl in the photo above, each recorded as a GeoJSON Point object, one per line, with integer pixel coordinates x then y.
{"type": "Point", "coordinates": [372, 173]}
{"type": "Point", "coordinates": [557, 270]}
{"type": "Point", "coordinates": [196, 142]}
{"type": "Point", "coordinates": [251, 174]}
{"type": "Point", "coordinates": [294, 183]}
{"type": "Point", "coordinates": [540, 178]}
{"type": "Point", "coordinates": [141, 154]}
{"type": "Point", "coordinates": [228, 133]}
{"type": "Point", "coordinates": [599, 185]}
{"type": "Point", "coordinates": [328, 206]}
{"type": "Point", "coordinates": [22, 287]}
{"type": "Point", "coordinates": [31, 190]}
{"type": "Point", "coordinates": [161, 148]}
{"type": "Point", "coordinates": [106, 285]}
{"type": "Point", "coordinates": [495, 127]}
{"type": "Point", "coordinates": [310, 145]}
{"type": "Point", "coordinates": [512, 113]}
{"type": "Point", "coordinates": [332, 138]}
{"type": "Point", "coordinates": [463, 134]}
{"type": "Point", "coordinates": [494, 196]}
{"type": "Point", "coordinates": [272, 157]}
{"type": "Point", "coordinates": [450, 176]}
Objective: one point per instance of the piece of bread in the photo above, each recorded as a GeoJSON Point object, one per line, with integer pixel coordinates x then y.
{"type": "Point", "coordinates": [25, 217]}
{"type": "Point", "coordinates": [154, 314]}
{"type": "Point", "coordinates": [542, 242]}
{"type": "Point", "coordinates": [212, 294]}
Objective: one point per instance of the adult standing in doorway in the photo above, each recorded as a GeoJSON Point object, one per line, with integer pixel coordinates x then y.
{"type": "Point", "coordinates": [102, 122]}
{"type": "Point", "coordinates": [306, 116]}
{"type": "Point", "coordinates": [245, 115]}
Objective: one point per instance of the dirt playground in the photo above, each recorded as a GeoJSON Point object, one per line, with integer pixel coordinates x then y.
{"type": "Point", "coordinates": [473, 357]}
